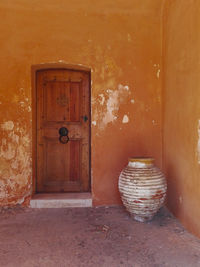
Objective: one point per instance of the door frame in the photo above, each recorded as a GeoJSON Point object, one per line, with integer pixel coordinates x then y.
{"type": "Point", "coordinates": [49, 66]}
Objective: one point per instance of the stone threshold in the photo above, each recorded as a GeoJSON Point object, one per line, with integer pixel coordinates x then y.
{"type": "Point", "coordinates": [61, 200]}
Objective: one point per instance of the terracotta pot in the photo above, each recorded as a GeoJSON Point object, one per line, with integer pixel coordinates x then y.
{"type": "Point", "coordinates": [142, 188]}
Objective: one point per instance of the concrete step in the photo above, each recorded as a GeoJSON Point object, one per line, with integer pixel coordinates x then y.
{"type": "Point", "coordinates": [61, 200]}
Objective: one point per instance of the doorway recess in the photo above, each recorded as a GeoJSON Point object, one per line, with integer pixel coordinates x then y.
{"type": "Point", "coordinates": [61, 134]}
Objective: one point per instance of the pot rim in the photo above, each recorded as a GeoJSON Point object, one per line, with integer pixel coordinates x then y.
{"type": "Point", "coordinates": [145, 160]}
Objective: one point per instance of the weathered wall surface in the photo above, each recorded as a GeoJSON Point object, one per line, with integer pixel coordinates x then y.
{"type": "Point", "coordinates": [121, 42]}
{"type": "Point", "coordinates": [181, 109]}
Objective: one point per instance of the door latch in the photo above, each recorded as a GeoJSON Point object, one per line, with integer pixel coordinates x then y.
{"type": "Point", "coordinates": [85, 118]}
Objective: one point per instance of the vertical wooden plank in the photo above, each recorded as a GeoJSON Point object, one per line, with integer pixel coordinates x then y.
{"type": "Point", "coordinates": [74, 160]}
{"type": "Point", "coordinates": [85, 155]}
{"type": "Point", "coordinates": [75, 104]}
{"type": "Point", "coordinates": [55, 161]}
{"type": "Point", "coordinates": [39, 132]}
{"type": "Point", "coordinates": [67, 163]}
{"type": "Point", "coordinates": [66, 93]}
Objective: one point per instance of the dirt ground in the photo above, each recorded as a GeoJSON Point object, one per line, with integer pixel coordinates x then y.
{"type": "Point", "coordinates": [93, 237]}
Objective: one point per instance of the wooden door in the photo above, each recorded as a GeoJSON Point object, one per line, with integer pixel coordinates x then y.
{"type": "Point", "coordinates": [63, 100]}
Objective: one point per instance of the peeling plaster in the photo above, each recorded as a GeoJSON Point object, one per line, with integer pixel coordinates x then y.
{"type": "Point", "coordinates": [125, 119]}
{"type": "Point", "coordinates": [158, 70]}
{"type": "Point", "coordinates": [8, 125]}
{"type": "Point", "coordinates": [112, 106]}
{"type": "Point", "coordinates": [158, 73]}
{"type": "Point", "coordinates": [102, 100]}
{"type": "Point", "coordinates": [7, 152]}
{"type": "Point", "coordinates": [107, 105]}
{"type": "Point", "coordinates": [15, 163]}
{"type": "Point", "coordinates": [113, 102]}
{"type": "Point", "coordinates": [22, 104]}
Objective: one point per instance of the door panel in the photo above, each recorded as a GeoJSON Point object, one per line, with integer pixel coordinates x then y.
{"type": "Point", "coordinates": [74, 160]}
{"type": "Point", "coordinates": [56, 97]}
{"type": "Point", "coordinates": [63, 101]}
{"type": "Point", "coordinates": [75, 102]}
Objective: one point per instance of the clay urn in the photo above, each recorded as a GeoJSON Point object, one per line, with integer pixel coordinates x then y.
{"type": "Point", "coordinates": [143, 188]}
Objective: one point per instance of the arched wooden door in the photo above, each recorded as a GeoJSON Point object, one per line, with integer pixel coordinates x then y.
{"type": "Point", "coordinates": [63, 111]}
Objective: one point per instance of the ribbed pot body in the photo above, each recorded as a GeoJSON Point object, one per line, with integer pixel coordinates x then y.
{"type": "Point", "coordinates": [142, 188]}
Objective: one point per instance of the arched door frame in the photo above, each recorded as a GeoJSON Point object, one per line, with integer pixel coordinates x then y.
{"type": "Point", "coordinates": [34, 70]}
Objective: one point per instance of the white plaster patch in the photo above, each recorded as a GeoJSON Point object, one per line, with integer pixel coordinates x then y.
{"type": "Point", "coordinates": [125, 119]}
{"type": "Point", "coordinates": [115, 97]}
{"type": "Point", "coordinates": [22, 104]}
{"type": "Point", "coordinates": [14, 137]}
{"type": "Point", "coordinates": [25, 140]}
{"type": "Point", "coordinates": [102, 99]}
{"type": "Point", "coordinates": [8, 153]}
{"type": "Point", "coordinates": [158, 73]}
{"type": "Point", "coordinates": [132, 101]}
{"type": "Point", "coordinates": [112, 106]}
{"type": "Point", "coordinates": [198, 143]}
{"type": "Point", "coordinates": [123, 87]}
{"type": "Point", "coordinates": [7, 126]}
{"type": "Point", "coordinates": [94, 123]}
{"type": "Point", "coordinates": [109, 103]}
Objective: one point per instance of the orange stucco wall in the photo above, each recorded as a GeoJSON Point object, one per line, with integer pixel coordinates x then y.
{"type": "Point", "coordinates": [181, 86]}
{"type": "Point", "coordinates": [121, 42]}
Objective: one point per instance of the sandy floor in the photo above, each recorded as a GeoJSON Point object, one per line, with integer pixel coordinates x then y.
{"type": "Point", "coordinates": [93, 237]}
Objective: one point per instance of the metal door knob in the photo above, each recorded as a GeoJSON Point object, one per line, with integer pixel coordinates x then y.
{"type": "Point", "coordinates": [63, 138]}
